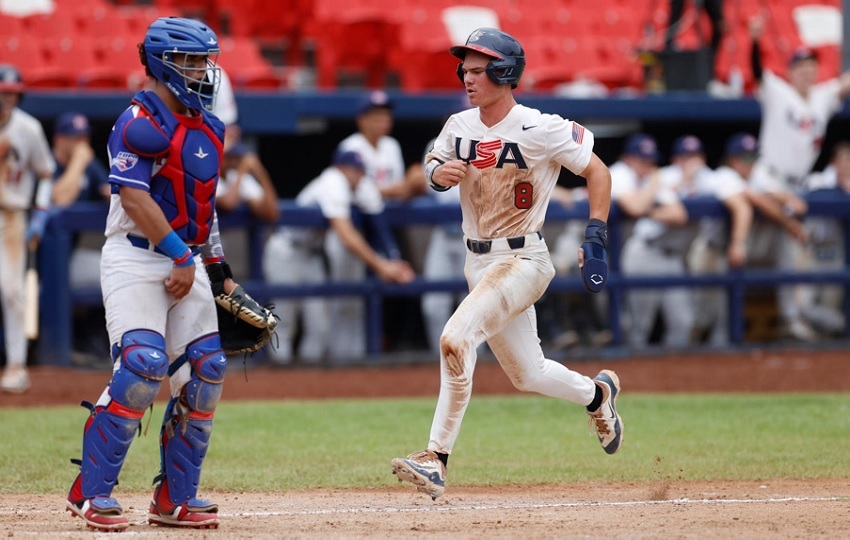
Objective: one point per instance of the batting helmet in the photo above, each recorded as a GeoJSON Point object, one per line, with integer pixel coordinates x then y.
{"type": "Point", "coordinates": [508, 57]}
{"type": "Point", "coordinates": [170, 36]}
{"type": "Point", "coordinates": [10, 79]}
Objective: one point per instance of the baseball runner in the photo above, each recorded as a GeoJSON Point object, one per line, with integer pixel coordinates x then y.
{"type": "Point", "coordinates": [165, 152]}
{"type": "Point", "coordinates": [795, 115]}
{"type": "Point", "coordinates": [26, 166]}
{"type": "Point", "coordinates": [301, 250]}
{"type": "Point", "coordinates": [505, 159]}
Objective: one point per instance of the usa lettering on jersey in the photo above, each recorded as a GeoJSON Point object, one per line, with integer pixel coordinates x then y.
{"type": "Point", "coordinates": [490, 153]}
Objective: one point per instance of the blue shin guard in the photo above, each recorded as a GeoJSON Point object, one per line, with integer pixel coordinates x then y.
{"type": "Point", "coordinates": [187, 425]}
{"type": "Point", "coordinates": [109, 430]}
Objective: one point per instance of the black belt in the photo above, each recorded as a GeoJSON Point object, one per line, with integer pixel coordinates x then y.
{"type": "Point", "coordinates": [144, 243]}
{"type": "Point", "coordinates": [483, 246]}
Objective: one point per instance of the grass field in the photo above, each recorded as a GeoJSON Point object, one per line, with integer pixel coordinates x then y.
{"type": "Point", "coordinates": [274, 446]}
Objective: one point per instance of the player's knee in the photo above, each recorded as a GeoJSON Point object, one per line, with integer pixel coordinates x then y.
{"type": "Point", "coordinates": [209, 364]}
{"type": "Point", "coordinates": [526, 381]}
{"type": "Point", "coordinates": [143, 366]}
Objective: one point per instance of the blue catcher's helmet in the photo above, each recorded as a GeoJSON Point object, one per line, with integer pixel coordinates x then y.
{"type": "Point", "coordinates": [508, 57]}
{"type": "Point", "coordinates": [194, 85]}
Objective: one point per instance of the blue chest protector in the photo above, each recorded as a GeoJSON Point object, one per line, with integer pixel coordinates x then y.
{"type": "Point", "coordinates": [184, 187]}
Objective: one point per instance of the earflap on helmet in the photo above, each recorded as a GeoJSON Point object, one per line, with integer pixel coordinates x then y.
{"type": "Point", "coordinates": [508, 61]}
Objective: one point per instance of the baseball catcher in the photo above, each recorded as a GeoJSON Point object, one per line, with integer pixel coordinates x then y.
{"type": "Point", "coordinates": [244, 325]}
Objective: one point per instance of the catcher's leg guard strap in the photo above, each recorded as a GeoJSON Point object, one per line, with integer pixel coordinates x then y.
{"type": "Point", "coordinates": [110, 430]}
{"type": "Point", "coordinates": [187, 424]}
{"type": "Point", "coordinates": [184, 446]}
{"type": "Point", "coordinates": [209, 364]}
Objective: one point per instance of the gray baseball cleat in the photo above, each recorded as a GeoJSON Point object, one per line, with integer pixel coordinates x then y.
{"type": "Point", "coordinates": [605, 421]}
{"type": "Point", "coordinates": [424, 470]}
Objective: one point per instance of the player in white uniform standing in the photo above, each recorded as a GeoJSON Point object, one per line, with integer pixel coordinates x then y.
{"type": "Point", "coordinates": [713, 251]}
{"type": "Point", "coordinates": [301, 251]}
{"type": "Point", "coordinates": [25, 162]}
{"type": "Point", "coordinates": [505, 159]}
{"type": "Point", "coordinates": [795, 115]}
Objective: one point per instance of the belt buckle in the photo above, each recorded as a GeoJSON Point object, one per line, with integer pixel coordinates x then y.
{"type": "Point", "coordinates": [478, 246]}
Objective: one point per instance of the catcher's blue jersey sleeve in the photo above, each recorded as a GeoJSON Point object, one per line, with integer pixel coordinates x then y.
{"type": "Point", "coordinates": [127, 168]}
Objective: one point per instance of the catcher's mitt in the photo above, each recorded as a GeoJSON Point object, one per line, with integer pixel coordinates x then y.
{"type": "Point", "coordinates": [243, 324]}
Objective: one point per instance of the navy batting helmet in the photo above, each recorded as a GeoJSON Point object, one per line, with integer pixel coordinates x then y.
{"type": "Point", "coordinates": [508, 57]}
{"type": "Point", "coordinates": [170, 36]}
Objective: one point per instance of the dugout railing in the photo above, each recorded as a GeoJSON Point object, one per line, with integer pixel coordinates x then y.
{"type": "Point", "coordinates": [58, 298]}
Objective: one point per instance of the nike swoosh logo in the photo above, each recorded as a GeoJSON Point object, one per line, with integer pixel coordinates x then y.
{"type": "Point", "coordinates": [526, 128]}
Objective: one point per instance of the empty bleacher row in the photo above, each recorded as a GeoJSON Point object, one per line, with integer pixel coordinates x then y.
{"type": "Point", "coordinates": [402, 43]}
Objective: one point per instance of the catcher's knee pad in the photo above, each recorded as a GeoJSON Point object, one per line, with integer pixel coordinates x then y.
{"type": "Point", "coordinates": [143, 366]}
{"type": "Point", "coordinates": [209, 363]}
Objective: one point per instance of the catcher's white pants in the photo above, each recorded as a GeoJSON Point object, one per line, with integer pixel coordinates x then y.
{"type": "Point", "coordinates": [12, 270]}
{"type": "Point", "coordinates": [503, 284]}
{"type": "Point", "coordinates": [134, 297]}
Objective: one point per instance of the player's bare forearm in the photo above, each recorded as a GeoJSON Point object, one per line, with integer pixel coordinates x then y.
{"type": "Point", "coordinates": [598, 188]}
{"type": "Point", "coordinates": [67, 187]}
{"type": "Point", "coordinates": [741, 213]}
{"type": "Point", "coordinates": [673, 214]}
{"type": "Point", "coordinates": [354, 242]}
{"type": "Point", "coordinates": [145, 213]}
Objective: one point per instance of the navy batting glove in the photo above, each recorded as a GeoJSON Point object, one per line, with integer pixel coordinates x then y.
{"type": "Point", "coordinates": [37, 224]}
{"type": "Point", "coordinates": [594, 273]}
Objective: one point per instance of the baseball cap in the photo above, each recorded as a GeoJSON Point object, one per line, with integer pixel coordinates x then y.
{"type": "Point", "coordinates": [802, 53]}
{"type": "Point", "coordinates": [643, 146]}
{"type": "Point", "coordinates": [377, 99]}
{"type": "Point", "coordinates": [73, 124]}
{"type": "Point", "coordinates": [687, 144]}
{"type": "Point", "coordinates": [349, 158]}
{"type": "Point", "coordinates": [742, 144]}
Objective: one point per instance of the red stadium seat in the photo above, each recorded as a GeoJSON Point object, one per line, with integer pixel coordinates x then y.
{"type": "Point", "coordinates": [22, 52]}
{"type": "Point", "coordinates": [245, 65]}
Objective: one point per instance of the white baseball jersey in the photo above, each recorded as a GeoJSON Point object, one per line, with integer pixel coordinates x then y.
{"type": "Point", "coordinates": [793, 127]}
{"type": "Point", "coordinates": [384, 164]}
{"type": "Point", "coordinates": [29, 158]}
{"type": "Point", "coordinates": [249, 188]}
{"type": "Point", "coordinates": [624, 180]}
{"type": "Point", "coordinates": [513, 167]}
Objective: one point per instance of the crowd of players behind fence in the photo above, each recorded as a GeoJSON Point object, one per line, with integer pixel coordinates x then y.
{"type": "Point", "coordinates": [766, 204]}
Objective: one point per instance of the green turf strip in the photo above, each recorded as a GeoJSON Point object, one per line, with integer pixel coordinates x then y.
{"type": "Point", "coordinates": [276, 446]}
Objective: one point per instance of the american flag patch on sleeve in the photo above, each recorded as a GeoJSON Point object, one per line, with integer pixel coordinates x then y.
{"type": "Point", "coordinates": [578, 132]}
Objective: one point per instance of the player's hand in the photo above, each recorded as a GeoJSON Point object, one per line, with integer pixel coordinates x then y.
{"type": "Point", "coordinates": [395, 271]}
{"type": "Point", "coordinates": [180, 282]}
{"type": "Point", "coordinates": [450, 173]}
{"type": "Point", "coordinates": [737, 254]}
{"type": "Point", "coordinates": [82, 153]}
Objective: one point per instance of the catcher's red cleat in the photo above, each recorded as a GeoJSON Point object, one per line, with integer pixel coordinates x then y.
{"type": "Point", "coordinates": [102, 514]}
{"type": "Point", "coordinates": [194, 514]}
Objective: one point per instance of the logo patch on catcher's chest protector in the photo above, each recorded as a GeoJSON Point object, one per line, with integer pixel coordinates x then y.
{"type": "Point", "coordinates": [126, 161]}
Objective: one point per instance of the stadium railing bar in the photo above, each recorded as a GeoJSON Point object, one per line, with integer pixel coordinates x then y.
{"type": "Point", "coordinates": [58, 298]}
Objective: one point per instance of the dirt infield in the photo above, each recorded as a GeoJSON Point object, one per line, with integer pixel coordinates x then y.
{"type": "Point", "coordinates": [790, 508]}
